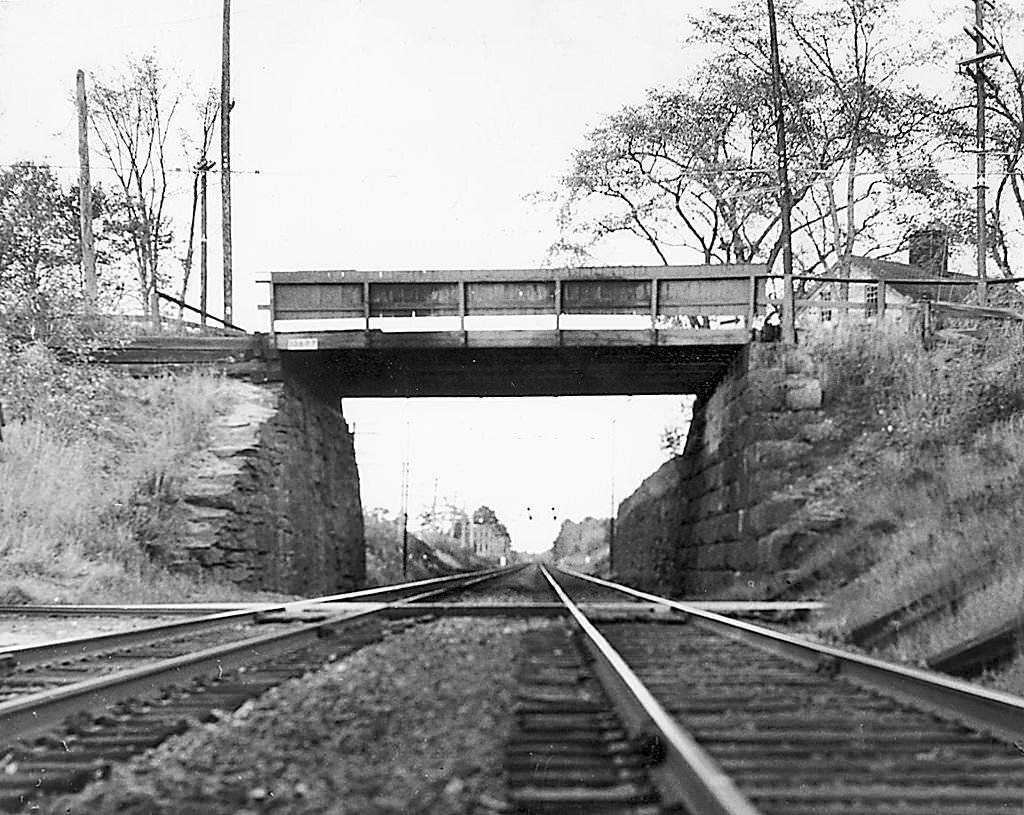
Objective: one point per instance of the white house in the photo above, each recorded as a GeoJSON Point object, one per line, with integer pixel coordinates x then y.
{"type": "Point", "coordinates": [864, 294]}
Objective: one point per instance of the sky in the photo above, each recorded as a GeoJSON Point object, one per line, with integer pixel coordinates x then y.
{"type": "Point", "coordinates": [390, 134]}
{"type": "Point", "coordinates": [536, 462]}
{"type": "Point", "coordinates": [386, 133]}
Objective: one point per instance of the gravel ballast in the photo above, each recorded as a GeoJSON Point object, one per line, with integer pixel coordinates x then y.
{"type": "Point", "coordinates": [416, 723]}
{"type": "Point", "coordinates": [29, 629]}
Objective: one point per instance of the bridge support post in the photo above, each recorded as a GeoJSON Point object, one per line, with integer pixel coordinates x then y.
{"type": "Point", "coordinates": [366, 306]}
{"type": "Point", "coordinates": [558, 305]}
{"type": "Point", "coordinates": [462, 307]}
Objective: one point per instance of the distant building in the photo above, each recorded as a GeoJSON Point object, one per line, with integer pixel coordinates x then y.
{"type": "Point", "coordinates": [481, 535]}
{"type": "Point", "coordinates": [488, 540]}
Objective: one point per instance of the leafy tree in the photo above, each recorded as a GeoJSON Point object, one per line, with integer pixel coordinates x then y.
{"type": "Point", "coordinates": [695, 167]}
{"type": "Point", "coordinates": [132, 116]}
{"type": "Point", "coordinates": [40, 248]}
{"type": "Point", "coordinates": [852, 115]}
{"type": "Point", "coordinates": [688, 168]}
{"type": "Point", "coordinates": [485, 516]}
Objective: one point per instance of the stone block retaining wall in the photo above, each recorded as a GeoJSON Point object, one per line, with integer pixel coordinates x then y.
{"type": "Point", "coordinates": [274, 502]}
{"type": "Point", "coordinates": [705, 523]}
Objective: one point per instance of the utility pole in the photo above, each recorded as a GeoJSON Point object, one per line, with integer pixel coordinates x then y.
{"type": "Point", "coordinates": [984, 49]}
{"type": "Point", "coordinates": [85, 197]}
{"type": "Point", "coordinates": [979, 88]}
{"type": "Point", "coordinates": [225, 157]}
{"type": "Point", "coordinates": [405, 519]}
{"type": "Point", "coordinates": [205, 166]}
{"type": "Point", "coordinates": [785, 193]}
{"type": "Point", "coordinates": [611, 514]}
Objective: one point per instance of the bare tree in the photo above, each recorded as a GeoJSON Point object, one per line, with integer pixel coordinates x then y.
{"type": "Point", "coordinates": [132, 118]}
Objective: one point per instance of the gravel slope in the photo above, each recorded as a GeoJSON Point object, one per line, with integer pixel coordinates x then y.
{"type": "Point", "coordinates": [414, 724]}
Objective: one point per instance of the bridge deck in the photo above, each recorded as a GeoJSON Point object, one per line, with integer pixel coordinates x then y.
{"type": "Point", "coordinates": [564, 338]}
{"type": "Point", "coordinates": [351, 299]}
{"type": "Point", "coordinates": [596, 330]}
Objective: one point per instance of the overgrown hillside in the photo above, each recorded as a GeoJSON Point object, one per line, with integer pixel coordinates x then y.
{"type": "Point", "coordinates": [923, 505]}
{"type": "Point", "coordinates": [86, 453]}
{"type": "Point", "coordinates": [582, 546]}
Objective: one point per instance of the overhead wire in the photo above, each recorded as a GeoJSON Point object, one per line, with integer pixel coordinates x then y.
{"type": "Point", "coordinates": [104, 168]}
{"type": "Point", "coordinates": [708, 173]}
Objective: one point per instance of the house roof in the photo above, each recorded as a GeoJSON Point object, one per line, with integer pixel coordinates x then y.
{"type": "Point", "coordinates": [890, 270]}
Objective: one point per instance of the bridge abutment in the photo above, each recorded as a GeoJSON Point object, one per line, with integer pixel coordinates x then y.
{"type": "Point", "coordinates": [274, 502]}
{"type": "Point", "coordinates": [709, 520]}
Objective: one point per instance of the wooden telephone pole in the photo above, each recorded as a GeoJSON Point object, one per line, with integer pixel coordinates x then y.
{"type": "Point", "coordinates": [225, 157]}
{"type": "Point", "coordinates": [405, 519]}
{"type": "Point", "coordinates": [85, 197]}
{"type": "Point", "coordinates": [785, 193]}
{"type": "Point", "coordinates": [204, 168]}
{"type": "Point", "coordinates": [974, 66]}
{"type": "Point", "coordinates": [981, 185]}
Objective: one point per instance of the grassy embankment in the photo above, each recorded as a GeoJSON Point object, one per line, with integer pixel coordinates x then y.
{"type": "Point", "coordinates": [932, 487]}
{"type": "Point", "coordinates": [86, 454]}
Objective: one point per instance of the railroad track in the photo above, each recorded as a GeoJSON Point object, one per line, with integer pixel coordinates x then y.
{"type": "Point", "coordinates": [29, 670]}
{"type": "Point", "coordinates": [69, 708]}
{"type": "Point", "coordinates": [627, 703]}
{"type": "Point", "coordinates": [749, 720]}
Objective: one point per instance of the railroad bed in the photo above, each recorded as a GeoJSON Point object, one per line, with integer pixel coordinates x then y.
{"type": "Point", "coordinates": [521, 691]}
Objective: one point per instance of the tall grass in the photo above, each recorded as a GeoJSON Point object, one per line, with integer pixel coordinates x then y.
{"type": "Point", "coordinates": [72, 472]}
{"type": "Point", "coordinates": [938, 394]}
{"type": "Point", "coordinates": [933, 503]}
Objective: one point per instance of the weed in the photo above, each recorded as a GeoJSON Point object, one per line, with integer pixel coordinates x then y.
{"type": "Point", "coordinates": [82, 443]}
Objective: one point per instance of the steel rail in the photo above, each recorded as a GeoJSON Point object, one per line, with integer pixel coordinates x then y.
{"type": "Point", "coordinates": [426, 582]}
{"type": "Point", "coordinates": [128, 609]}
{"type": "Point", "coordinates": [688, 775]}
{"type": "Point", "coordinates": [78, 647]}
{"type": "Point", "coordinates": [40, 712]}
{"type": "Point", "coordinates": [981, 709]}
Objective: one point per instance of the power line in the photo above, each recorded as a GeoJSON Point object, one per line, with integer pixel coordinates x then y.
{"type": "Point", "coordinates": [41, 165]}
{"type": "Point", "coordinates": [703, 173]}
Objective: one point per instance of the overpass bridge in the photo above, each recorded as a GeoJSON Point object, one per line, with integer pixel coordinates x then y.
{"type": "Point", "coordinates": [708, 522]}
{"type": "Point", "coordinates": [514, 332]}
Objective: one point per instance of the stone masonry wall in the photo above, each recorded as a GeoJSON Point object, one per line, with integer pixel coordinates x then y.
{"type": "Point", "coordinates": [708, 521]}
{"type": "Point", "coordinates": [274, 502]}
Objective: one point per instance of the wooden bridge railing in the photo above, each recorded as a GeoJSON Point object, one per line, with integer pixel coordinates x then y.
{"type": "Point", "coordinates": [349, 300]}
{"type": "Point", "coordinates": [652, 291]}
